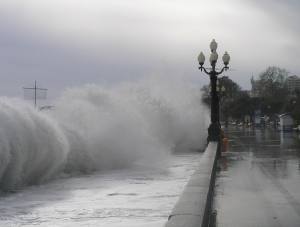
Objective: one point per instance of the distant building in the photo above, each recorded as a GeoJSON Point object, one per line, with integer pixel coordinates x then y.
{"type": "Point", "coordinates": [286, 122]}
{"type": "Point", "coordinates": [293, 83]}
{"type": "Point", "coordinates": [254, 92]}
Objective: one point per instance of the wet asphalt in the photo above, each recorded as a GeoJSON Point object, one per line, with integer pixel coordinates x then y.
{"type": "Point", "coordinates": [258, 182]}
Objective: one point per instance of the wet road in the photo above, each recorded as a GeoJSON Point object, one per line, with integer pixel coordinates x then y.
{"type": "Point", "coordinates": [259, 180]}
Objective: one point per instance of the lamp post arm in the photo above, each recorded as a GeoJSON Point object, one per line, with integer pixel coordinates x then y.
{"type": "Point", "coordinates": [204, 69]}
{"type": "Point", "coordinates": [222, 70]}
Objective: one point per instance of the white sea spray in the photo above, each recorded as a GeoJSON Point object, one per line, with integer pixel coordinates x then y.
{"type": "Point", "coordinates": [97, 127]}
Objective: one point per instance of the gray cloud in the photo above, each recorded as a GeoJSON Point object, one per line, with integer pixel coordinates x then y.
{"type": "Point", "coordinates": [62, 44]}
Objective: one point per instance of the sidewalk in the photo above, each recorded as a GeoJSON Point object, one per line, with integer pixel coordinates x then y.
{"type": "Point", "coordinates": [259, 180]}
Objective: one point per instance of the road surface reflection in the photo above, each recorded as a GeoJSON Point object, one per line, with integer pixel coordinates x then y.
{"type": "Point", "coordinates": [259, 179]}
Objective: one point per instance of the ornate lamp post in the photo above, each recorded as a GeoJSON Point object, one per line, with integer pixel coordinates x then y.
{"type": "Point", "coordinates": [214, 128]}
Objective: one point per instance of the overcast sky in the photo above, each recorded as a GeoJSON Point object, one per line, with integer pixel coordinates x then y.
{"type": "Point", "coordinates": [64, 43]}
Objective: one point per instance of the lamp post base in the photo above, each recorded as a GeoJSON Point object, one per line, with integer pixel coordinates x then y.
{"type": "Point", "coordinates": [214, 132]}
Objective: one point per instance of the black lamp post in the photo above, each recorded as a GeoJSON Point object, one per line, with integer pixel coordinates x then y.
{"type": "Point", "coordinates": [215, 127]}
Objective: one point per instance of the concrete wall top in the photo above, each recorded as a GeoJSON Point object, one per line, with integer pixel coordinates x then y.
{"type": "Point", "coordinates": [190, 210]}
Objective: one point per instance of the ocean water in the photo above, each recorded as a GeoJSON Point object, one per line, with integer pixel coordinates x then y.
{"type": "Point", "coordinates": [132, 197]}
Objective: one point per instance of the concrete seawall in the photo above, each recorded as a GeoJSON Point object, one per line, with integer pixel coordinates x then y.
{"type": "Point", "coordinates": [194, 205]}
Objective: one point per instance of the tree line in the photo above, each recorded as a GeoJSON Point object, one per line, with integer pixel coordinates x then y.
{"type": "Point", "coordinates": [269, 94]}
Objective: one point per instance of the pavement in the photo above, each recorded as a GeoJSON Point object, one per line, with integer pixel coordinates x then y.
{"type": "Point", "coordinates": [258, 182]}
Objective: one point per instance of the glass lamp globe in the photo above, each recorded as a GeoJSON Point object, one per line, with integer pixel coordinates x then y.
{"type": "Point", "coordinates": [226, 58]}
{"type": "Point", "coordinates": [213, 45]}
{"type": "Point", "coordinates": [201, 58]}
{"type": "Point", "coordinates": [213, 57]}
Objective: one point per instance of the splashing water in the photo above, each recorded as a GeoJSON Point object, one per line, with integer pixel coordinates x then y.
{"type": "Point", "coordinates": [93, 128]}
{"type": "Point", "coordinates": [32, 146]}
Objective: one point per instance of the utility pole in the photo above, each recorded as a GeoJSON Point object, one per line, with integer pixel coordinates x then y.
{"type": "Point", "coordinates": [36, 92]}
